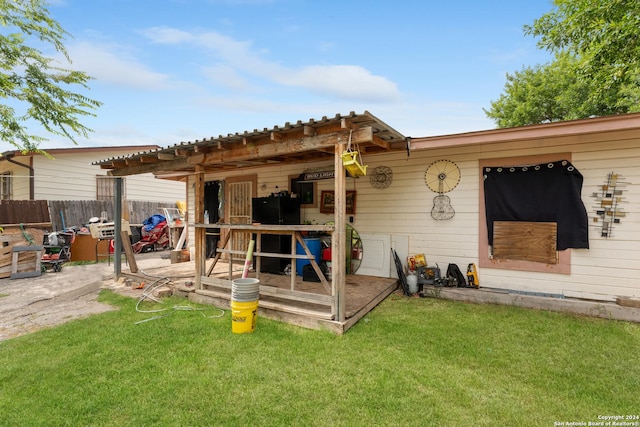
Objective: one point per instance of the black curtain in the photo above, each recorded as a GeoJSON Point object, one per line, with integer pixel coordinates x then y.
{"type": "Point", "coordinates": [548, 192]}
{"type": "Point", "coordinates": [211, 202]}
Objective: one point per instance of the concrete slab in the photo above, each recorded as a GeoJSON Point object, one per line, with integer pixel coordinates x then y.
{"type": "Point", "coordinates": [33, 303]}
{"type": "Point", "coordinates": [601, 309]}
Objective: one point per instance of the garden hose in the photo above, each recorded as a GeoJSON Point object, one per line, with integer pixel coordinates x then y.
{"type": "Point", "coordinates": [27, 236]}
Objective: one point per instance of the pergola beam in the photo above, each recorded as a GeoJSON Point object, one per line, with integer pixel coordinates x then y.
{"type": "Point", "coordinates": [285, 147]}
{"type": "Point", "coordinates": [246, 151]}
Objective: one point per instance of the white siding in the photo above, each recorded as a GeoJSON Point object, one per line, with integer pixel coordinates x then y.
{"type": "Point", "coordinates": [71, 176]}
{"type": "Point", "coordinates": [609, 268]}
{"type": "Point", "coordinates": [147, 187]}
{"type": "Point", "coordinates": [19, 178]}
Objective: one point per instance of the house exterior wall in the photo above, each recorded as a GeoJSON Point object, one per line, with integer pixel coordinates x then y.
{"type": "Point", "coordinates": [401, 214]}
{"type": "Point", "coordinates": [19, 178]}
{"type": "Point", "coordinates": [71, 176]}
{"type": "Point", "coordinates": [609, 267]}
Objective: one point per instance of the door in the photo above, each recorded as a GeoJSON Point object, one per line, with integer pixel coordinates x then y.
{"type": "Point", "coordinates": [238, 194]}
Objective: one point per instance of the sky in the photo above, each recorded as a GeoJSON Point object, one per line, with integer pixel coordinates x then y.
{"type": "Point", "coordinates": [171, 71]}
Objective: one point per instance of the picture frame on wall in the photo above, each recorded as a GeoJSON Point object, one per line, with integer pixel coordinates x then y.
{"type": "Point", "coordinates": [327, 202]}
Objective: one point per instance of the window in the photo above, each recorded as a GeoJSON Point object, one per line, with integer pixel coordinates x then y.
{"type": "Point", "coordinates": [536, 212]}
{"type": "Point", "coordinates": [105, 188]}
{"type": "Point", "coordinates": [541, 192]}
{"type": "Point", "coordinates": [305, 190]}
{"type": "Point", "coordinates": [5, 186]}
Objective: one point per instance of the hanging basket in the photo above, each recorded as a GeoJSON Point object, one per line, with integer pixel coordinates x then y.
{"type": "Point", "coordinates": [350, 163]}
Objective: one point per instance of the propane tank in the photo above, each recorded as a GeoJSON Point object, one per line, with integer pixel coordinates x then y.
{"type": "Point", "coordinates": [412, 281]}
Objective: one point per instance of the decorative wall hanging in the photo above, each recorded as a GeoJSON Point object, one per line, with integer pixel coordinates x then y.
{"type": "Point", "coordinates": [608, 209]}
{"type": "Point", "coordinates": [441, 177]}
{"type": "Point", "coordinates": [381, 177]}
{"type": "Point", "coordinates": [327, 202]}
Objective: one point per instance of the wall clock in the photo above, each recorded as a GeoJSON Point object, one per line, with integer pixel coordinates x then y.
{"type": "Point", "coordinates": [441, 177]}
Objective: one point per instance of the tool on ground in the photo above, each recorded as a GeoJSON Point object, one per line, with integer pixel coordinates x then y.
{"type": "Point", "coordinates": [472, 276]}
{"type": "Point", "coordinates": [401, 276]}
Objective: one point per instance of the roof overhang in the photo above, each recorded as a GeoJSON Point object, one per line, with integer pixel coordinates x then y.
{"type": "Point", "coordinates": [76, 150]}
{"type": "Point", "coordinates": [594, 125]}
{"type": "Point", "coordinates": [314, 140]}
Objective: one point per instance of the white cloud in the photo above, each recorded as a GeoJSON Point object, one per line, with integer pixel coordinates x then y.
{"type": "Point", "coordinates": [227, 77]}
{"type": "Point", "coordinates": [115, 65]}
{"type": "Point", "coordinates": [239, 104]}
{"type": "Point", "coordinates": [166, 35]}
{"type": "Point", "coordinates": [344, 81]}
{"type": "Point", "coordinates": [347, 82]}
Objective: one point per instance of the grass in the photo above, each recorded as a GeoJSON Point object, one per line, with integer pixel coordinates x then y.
{"type": "Point", "coordinates": [410, 362]}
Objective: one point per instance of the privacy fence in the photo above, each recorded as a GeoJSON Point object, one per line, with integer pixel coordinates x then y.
{"type": "Point", "coordinates": [73, 213]}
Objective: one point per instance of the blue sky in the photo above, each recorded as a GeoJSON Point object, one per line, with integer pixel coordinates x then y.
{"type": "Point", "coordinates": [178, 70]}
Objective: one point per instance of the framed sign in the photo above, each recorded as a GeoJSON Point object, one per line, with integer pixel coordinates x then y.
{"type": "Point", "coordinates": [327, 202]}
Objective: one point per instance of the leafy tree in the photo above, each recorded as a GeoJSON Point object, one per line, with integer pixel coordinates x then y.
{"type": "Point", "coordinates": [541, 94]}
{"type": "Point", "coordinates": [604, 35]}
{"type": "Point", "coordinates": [596, 70]}
{"type": "Point", "coordinates": [32, 87]}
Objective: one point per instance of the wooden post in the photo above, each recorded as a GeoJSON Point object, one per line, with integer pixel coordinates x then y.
{"type": "Point", "coordinates": [126, 214]}
{"type": "Point", "coordinates": [117, 243]}
{"type": "Point", "coordinates": [128, 250]}
{"type": "Point", "coordinates": [200, 233]}
{"type": "Point", "coordinates": [338, 239]}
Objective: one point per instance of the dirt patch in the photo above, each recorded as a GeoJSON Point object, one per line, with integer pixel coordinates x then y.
{"type": "Point", "coordinates": [30, 304]}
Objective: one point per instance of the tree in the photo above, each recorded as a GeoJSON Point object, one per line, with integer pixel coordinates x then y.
{"type": "Point", "coordinates": [542, 94]}
{"type": "Point", "coordinates": [32, 87]}
{"type": "Point", "coordinates": [595, 42]}
{"type": "Point", "coordinates": [603, 34]}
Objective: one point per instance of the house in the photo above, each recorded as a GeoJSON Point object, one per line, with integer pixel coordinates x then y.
{"type": "Point", "coordinates": [423, 196]}
{"type": "Point", "coordinates": [605, 151]}
{"type": "Point", "coordinates": [63, 189]}
{"type": "Point", "coordinates": [69, 175]}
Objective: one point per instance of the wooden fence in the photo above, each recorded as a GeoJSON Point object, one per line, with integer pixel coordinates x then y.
{"type": "Point", "coordinates": [23, 212]}
{"type": "Point", "coordinates": [69, 213]}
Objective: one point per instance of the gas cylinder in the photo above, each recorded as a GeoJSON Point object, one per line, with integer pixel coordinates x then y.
{"type": "Point", "coordinates": [412, 281]}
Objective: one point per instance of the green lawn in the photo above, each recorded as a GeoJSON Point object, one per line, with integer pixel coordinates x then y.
{"type": "Point", "coordinates": [410, 362]}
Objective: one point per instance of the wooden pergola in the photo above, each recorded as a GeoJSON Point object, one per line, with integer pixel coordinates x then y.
{"type": "Point", "coordinates": [300, 142]}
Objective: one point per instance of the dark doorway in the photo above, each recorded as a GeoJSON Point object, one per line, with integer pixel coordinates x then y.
{"type": "Point", "coordinates": [211, 203]}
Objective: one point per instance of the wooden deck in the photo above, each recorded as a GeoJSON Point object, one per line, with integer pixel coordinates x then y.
{"type": "Point", "coordinates": [309, 307]}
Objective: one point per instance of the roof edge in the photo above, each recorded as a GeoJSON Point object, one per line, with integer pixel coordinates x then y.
{"type": "Point", "coordinates": [20, 153]}
{"type": "Point", "coordinates": [530, 132]}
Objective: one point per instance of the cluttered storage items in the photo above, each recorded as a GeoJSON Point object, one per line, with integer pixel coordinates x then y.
{"type": "Point", "coordinates": [416, 274]}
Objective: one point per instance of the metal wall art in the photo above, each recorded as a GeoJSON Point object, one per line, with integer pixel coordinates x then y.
{"type": "Point", "coordinates": [381, 177]}
{"type": "Point", "coordinates": [441, 177]}
{"type": "Point", "coordinates": [608, 209]}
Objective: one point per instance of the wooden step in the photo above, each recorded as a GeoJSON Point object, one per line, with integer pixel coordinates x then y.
{"type": "Point", "coordinates": [273, 305]}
